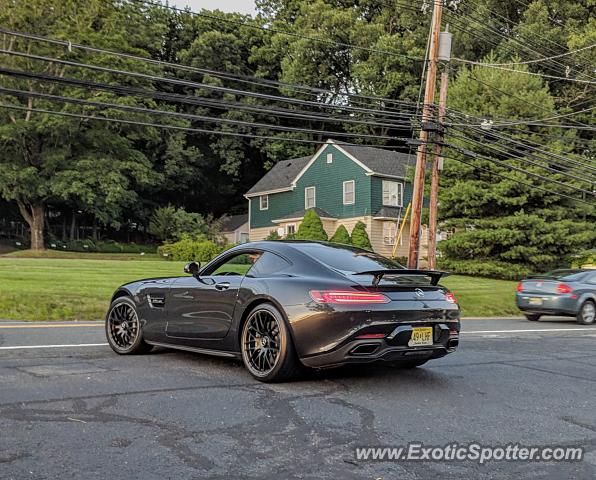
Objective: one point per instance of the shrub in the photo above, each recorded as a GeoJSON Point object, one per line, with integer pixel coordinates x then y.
{"type": "Point", "coordinates": [101, 246]}
{"type": "Point", "coordinates": [311, 227]}
{"type": "Point", "coordinates": [170, 223]}
{"type": "Point", "coordinates": [273, 235]}
{"type": "Point", "coordinates": [341, 235]}
{"type": "Point", "coordinates": [188, 249]}
{"type": "Point", "coordinates": [360, 237]}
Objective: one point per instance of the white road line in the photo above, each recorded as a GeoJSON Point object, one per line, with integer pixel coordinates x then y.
{"type": "Point", "coordinates": [530, 330]}
{"type": "Point", "coordinates": [55, 346]}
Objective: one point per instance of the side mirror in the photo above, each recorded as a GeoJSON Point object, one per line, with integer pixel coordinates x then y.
{"type": "Point", "coordinates": [192, 268]}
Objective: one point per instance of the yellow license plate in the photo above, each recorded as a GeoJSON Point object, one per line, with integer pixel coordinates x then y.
{"type": "Point", "coordinates": [421, 336]}
{"type": "Point", "coordinates": [535, 301]}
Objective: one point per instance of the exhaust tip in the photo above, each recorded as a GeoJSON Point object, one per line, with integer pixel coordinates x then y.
{"type": "Point", "coordinates": [365, 349]}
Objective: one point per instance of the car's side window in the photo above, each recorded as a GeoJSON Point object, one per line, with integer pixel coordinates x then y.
{"type": "Point", "coordinates": [268, 264]}
{"type": "Point", "coordinates": [235, 265]}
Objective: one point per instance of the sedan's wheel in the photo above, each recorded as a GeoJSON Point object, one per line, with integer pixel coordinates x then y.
{"type": "Point", "coordinates": [533, 317]}
{"type": "Point", "coordinates": [587, 313]}
{"type": "Point", "coordinates": [267, 348]}
{"type": "Point", "coordinates": [123, 328]}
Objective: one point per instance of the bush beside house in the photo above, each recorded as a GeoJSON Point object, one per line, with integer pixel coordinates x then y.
{"type": "Point", "coordinates": [360, 237]}
{"type": "Point", "coordinates": [311, 228]}
{"type": "Point", "coordinates": [341, 235]}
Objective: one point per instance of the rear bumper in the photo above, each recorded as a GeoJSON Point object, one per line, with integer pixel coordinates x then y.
{"type": "Point", "coordinates": [395, 349]}
{"type": "Point", "coordinates": [546, 304]}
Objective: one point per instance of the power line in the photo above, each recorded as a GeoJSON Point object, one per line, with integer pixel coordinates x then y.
{"type": "Point", "coordinates": [277, 31]}
{"type": "Point", "coordinates": [201, 101]}
{"type": "Point", "coordinates": [189, 83]}
{"type": "Point", "coordinates": [129, 108]}
{"type": "Point", "coordinates": [251, 80]}
{"type": "Point", "coordinates": [179, 128]}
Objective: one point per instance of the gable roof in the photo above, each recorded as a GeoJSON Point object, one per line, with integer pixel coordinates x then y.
{"type": "Point", "coordinates": [377, 161]}
{"type": "Point", "coordinates": [280, 176]}
{"type": "Point", "coordinates": [229, 223]}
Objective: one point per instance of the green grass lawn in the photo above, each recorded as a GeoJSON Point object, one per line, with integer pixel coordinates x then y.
{"type": "Point", "coordinates": [80, 288]}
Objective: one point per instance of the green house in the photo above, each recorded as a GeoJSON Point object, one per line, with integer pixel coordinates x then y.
{"type": "Point", "coordinates": [344, 184]}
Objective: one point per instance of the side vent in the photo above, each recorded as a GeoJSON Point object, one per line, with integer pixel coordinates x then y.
{"type": "Point", "coordinates": [156, 301]}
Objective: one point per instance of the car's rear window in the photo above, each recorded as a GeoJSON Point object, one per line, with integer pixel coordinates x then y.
{"type": "Point", "coordinates": [567, 275]}
{"type": "Point", "coordinates": [347, 259]}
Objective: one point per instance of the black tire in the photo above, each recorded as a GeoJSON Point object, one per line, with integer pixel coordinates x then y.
{"type": "Point", "coordinates": [587, 313]}
{"type": "Point", "coordinates": [127, 340]}
{"type": "Point", "coordinates": [267, 349]}
{"type": "Point", "coordinates": [533, 317]}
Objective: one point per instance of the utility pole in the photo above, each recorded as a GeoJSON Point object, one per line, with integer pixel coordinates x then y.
{"type": "Point", "coordinates": [429, 96]}
{"type": "Point", "coordinates": [437, 166]}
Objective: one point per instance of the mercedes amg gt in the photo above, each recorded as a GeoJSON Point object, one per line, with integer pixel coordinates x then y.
{"type": "Point", "coordinates": [281, 306]}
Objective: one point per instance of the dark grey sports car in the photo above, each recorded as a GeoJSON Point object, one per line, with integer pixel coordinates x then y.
{"type": "Point", "coordinates": [284, 305]}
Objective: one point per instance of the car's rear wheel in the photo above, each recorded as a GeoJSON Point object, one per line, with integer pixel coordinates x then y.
{"type": "Point", "coordinates": [267, 349]}
{"type": "Point", "coordinates": [123, 328]}
{"type": "Point", "coordinates": [533, 317]}
{"type": "Point", "coordinates": [587, 313]}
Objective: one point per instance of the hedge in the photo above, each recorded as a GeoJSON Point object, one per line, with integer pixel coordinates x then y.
{"type": "Point", "coordinates": [188, 249]}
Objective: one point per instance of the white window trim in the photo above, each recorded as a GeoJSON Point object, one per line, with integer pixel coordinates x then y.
{"type": "Point", "coordinates": [306, 207]}
{"type": "Point", "coordinates": [290, 225]}
{"type": "Point", "coordinates": [353, 182]}
{"type": "Point", "coordinates": [400, 193]}
{"type": "Point", "coordinates": [391, 237]}
{"type": "Point", "coordinates": [261, 202]}
{"type": "Point", "coordinates": [329, 158]}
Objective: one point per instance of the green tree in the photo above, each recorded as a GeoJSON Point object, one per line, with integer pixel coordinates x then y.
{"type": "Point", "coordinates": [311, 227]}
{"type": "Point", "coordinates": [171, 224]}
{"type": "Point", "coordinates": [360, 237]}
{"type": "Point", "coordinates": [341, 235]}
{"type": "Point", "coordinates": [273, 235]}
{"type": "Point", "coordinates": [499, 219]}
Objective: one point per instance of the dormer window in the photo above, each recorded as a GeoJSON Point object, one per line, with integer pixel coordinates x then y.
{"type": "Point", "coordinates": [264, 202]}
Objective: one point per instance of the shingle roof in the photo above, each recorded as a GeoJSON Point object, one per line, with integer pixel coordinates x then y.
{"type": "Point", "coordinates": [229, 223]}
{"type": "Point", "coordinates": [381, 161]}
{"type": "Point", "coordinates": [281, 175]}
{"type": "Point", "coordinates": [300, 213]}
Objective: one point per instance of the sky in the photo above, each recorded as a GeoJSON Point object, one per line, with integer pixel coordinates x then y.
{"type": "Point", "coordinates": [242, 6]}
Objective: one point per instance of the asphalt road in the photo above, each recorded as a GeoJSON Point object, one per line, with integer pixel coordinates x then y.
{"type": "Point", "coordinates": [70, 408]}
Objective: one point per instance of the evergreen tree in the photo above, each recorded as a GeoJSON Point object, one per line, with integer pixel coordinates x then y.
{"type": "Point", "coordinates": [503, 221]}
{"type": "Point", "coordinates": [360, 237]}
{"type": "Point", "coordinates": [341, 235]}
{"type": "Point", "coordinates": [311, 227]}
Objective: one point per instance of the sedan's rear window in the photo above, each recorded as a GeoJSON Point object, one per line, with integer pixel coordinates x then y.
{"type": "Point", "coordinates": [568, 275]}
{"type": "Point", "coordinates": [348, 259]}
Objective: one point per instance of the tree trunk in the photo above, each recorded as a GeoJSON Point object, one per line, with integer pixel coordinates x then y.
{"type": "Point", "coordinates": [73, 225]}
{"type": "Point", "coordinates": [34, 214]}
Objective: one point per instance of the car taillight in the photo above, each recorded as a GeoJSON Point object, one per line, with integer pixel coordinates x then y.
{"type": "Point", "coordinates": [520, 287]}
{"type": "Point", "coordinates": [562, 288]}
{"type": "Point", "coordinates": [347, 297]}
{"type": "Point", "coordinates": [371, 335]}
{"type": "Point", "coordinates": [450, 297]}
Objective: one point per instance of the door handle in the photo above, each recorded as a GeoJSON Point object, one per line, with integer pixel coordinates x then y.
{"type": "Point", "coordinates": [222, 285]}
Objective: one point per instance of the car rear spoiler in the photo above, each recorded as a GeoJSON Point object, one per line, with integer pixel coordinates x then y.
{"type": "Point", "coordinates": [435, 275]}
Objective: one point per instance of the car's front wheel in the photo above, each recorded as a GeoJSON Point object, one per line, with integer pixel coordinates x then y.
{"type": "Point", "coordinates": [123, 328]}
{"type": "Point", "coordinates": [267, 349]}
{"type": "Point", "coordinates": [533, 317]}
{"type": "Point", "coordinates": [587, 313]}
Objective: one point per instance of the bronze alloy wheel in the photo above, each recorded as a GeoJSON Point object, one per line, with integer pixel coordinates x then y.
{"type": "Point", "coordinates": [123, 328]}
{"type": "Point", "coordinates": [261, 342]}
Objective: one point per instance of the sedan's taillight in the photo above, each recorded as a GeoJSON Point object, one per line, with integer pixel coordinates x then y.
{"type": "Point", "coordinates": [346, 297]}
{"type": "Point", "coordinates": [563, 288]}
{"type": "Point", "coordinates": [450, 297]}
{"type": "Point", "coordinates": [520, 287]}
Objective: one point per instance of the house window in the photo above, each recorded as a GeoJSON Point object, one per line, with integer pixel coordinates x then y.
{"type": "Point", "coordinates": [389, 232]}
{"type": "Point", "coordinates": [329, 158]}
{"type": "Point", "coordinates": [393, 193]}
{"type": "Point", "coordinates": [309, 197]}
{"type": "Point", "coordinates": [290, 228]}
{"type": "Point", "coordinates": [264, 202]}
{"type": "Point", "coordinates": [349, 193]}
